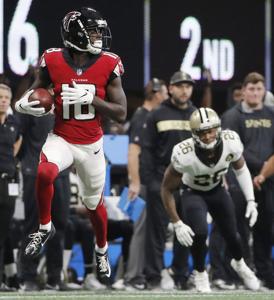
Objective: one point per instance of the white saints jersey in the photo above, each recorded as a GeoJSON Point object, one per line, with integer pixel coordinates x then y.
{"type": "Point", "coordinates": [196, 174]}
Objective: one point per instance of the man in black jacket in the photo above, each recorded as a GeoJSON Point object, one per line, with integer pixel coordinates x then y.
{"type": "Point", "coordinates": [155, 93]}
{"type": "Point", "coordinates": [165, 127]}
{"type": "Point", "coordinates": [10, 141]}
{"type": "Point", "coordinates": [254, 122]}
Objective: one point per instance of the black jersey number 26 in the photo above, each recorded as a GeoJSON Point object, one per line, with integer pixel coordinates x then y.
{"type": "Point", "coordinates": [206, 179]}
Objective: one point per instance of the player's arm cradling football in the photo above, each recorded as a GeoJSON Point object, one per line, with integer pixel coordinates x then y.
{"type": "Point", "coordinates": [23, 105]}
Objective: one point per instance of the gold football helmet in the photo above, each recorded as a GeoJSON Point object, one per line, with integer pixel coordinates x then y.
{"type": "Point", "coordinates": [203, 119]}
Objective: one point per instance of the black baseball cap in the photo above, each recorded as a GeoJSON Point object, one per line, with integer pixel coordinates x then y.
{"type": "Point", "coordinates": [181, 76]}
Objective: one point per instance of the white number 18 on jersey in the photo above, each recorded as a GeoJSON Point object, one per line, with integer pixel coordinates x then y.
{"type": "Point", "coordinates": [78, 115]}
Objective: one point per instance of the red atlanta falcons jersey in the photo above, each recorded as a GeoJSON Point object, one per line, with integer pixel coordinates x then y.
{"type": "Point", "coordinates": [78, 123]}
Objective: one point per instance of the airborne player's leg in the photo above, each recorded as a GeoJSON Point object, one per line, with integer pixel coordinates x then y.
{"type": "Point", "coordinates": [91, 169]}
{"type": "Point", "coordinates": [98, 218]}
{"type": "Point", "coordinates": [46, 175]}
{"type": "Point", "coordinates": [56, 156]}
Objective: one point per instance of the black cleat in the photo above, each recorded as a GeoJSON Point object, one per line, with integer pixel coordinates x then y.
{"type": "Point", "coordinates": [13, 282]}
{"type": "Point", "coordinates": [38, 240]}
{"type": "Point", "coordinates": [103, 267]}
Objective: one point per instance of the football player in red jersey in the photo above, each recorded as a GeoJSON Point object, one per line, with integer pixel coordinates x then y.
{"type": "Point", "coordinates": [83, 75]}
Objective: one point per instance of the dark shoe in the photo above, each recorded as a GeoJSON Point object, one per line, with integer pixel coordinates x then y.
{"type": "Point", "coordinates": [181, 285]}
{"type": "Point", "coordinates": [103, 267]}
{"type": "Point", "coordinates": [13, 282]}
{"type": "Point", "coordinates": [180, 282]}
{"type": "Point", "coordinates": [38, 240]}
{"type": "Point", "coordinates": [29, 286]}
{"type": "Point", "coordinates": [153, 286]}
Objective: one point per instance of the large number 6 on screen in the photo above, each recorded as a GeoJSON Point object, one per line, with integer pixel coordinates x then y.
{"type": "Point", "coordinates": [78, 115]}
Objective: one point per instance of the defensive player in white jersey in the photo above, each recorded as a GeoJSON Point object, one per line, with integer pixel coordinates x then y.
{"type": "Point", "coordinates": [200, 163]}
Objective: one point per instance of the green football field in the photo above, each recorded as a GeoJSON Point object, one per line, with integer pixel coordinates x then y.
{"type": "Point", "coordinates": [113, 295]}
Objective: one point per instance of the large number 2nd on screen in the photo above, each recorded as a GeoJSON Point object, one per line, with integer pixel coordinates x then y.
{"type": "Point", "coordinates": [78, 115]}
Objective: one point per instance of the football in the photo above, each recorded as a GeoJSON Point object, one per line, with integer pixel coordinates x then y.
{"type": "Point", "coordinates": [45, 98]}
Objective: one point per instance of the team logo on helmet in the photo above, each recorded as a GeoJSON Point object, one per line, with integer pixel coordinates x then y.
{"type": "Point", "coordinates": [71, 16]}
{"type": "Point", "coordinates": [75, 29]}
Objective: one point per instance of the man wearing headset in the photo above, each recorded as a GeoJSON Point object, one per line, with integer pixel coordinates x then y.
{"type": "Point", "coordinates": [155, 93]}
{"type": "Point", "coordinates": [165, 127]}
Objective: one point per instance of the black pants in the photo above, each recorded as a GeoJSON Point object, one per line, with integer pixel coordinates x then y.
{"type": "Point", "coordinates": [54, 249]}
{"type": "Point", "coordinates": [124, 229]}
{"type": "Point", "coordinates": [156, 229]}
{"type": "Point", "coordinates": [179, 264]}
{"type": "Point", "coordinates": [219, 254]}
{"type": "Point", "coordinates": [218, 203]}
{"type": "Point", "coordinates": [7, 204]}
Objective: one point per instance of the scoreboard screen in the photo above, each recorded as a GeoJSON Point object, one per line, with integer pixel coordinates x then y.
{"type": "Point", "coordinates": [226, 37]}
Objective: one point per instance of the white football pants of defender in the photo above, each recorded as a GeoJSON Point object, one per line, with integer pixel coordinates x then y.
{"type": "Point", "coordinates": [88, 160]}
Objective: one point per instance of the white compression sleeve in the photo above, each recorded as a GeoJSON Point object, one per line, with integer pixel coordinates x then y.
{"type": "Point", "coordinates": [245, 181]}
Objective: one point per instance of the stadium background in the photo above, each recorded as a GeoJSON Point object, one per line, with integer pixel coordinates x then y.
{"type": "Point", "coordinates": [149, 46]}
{"type": "Point", "coordinates": [146, 34]}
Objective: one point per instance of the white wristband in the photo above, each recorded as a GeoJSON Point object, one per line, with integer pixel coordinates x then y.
{"type": "Point", "coordinates": [245, 181]}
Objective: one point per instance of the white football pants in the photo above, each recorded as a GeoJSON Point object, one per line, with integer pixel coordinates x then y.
{"type": "Point", "coordinates": [88, 160]}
